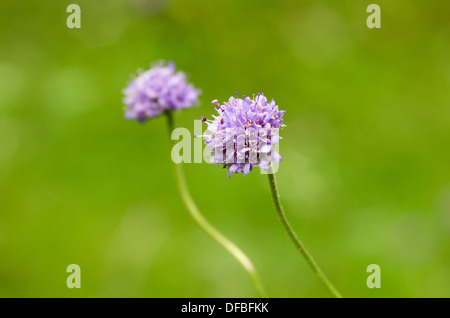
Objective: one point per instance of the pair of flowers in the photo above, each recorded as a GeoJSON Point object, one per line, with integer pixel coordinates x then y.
{"type": "Point", "coordinates": [250, 124]}
{"type": "Point", "coordinates": [242, 135]}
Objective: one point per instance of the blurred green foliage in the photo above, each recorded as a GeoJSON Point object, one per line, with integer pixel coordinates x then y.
{"type": "Point", "coordinates": [365, 175]}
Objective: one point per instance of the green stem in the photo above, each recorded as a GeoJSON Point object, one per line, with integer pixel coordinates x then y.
{"type": "Point", "coordinates": [208, 228]}
{"type": "Point", "coordinates": [320, 275]}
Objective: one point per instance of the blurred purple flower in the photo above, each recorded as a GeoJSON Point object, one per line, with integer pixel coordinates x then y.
{"type": "Point", "coordinates": [244, 133]}
{"type": "Point", "coordinates": [158, 89]}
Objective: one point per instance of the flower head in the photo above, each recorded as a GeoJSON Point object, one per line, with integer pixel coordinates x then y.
{"type": "Point", "coordinates": [158, 89]}
{"type": "Point", "coordinates": [244, 133]}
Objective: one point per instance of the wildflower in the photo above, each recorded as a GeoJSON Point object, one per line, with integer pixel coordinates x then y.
{"type": "Point", "coordinates": [158, 89]}
{"type": "Point", "coordinates": [244, 133]}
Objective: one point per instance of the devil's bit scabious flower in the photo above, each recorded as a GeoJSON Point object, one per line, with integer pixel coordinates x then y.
{"type": "Point", "coordinates": [244, 133]}
{"type": "Point", "coordinates": [158, 89]}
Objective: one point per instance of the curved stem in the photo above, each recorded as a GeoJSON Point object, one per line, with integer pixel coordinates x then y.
{"type": "Point", "coordinates": [208, 228]}
{"type": "Point", "coordinates": [320, 275]}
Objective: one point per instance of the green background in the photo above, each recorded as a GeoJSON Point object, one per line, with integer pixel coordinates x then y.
{"type": "Point", "coordinates": [365, 175]}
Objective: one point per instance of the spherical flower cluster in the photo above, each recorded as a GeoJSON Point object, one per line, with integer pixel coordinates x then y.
{"type": "Point", "coordinates": [157, 90]}
{"type": "Point", "coordinates": [244, 133]}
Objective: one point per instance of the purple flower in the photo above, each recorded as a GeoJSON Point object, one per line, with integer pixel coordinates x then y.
{"type": "Point", "coordinates": [157, 90]}
{"type": "Point", "coordinates": [244, 133]}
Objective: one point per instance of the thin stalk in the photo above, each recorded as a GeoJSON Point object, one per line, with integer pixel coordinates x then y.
{"type": "Point", "coordinates": [317, 271]}
{"type": "Point", "coordinates": [208, 228]}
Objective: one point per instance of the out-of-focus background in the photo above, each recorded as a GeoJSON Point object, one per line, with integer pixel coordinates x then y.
{"type": "Point", "coordinates": [365, 176]}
